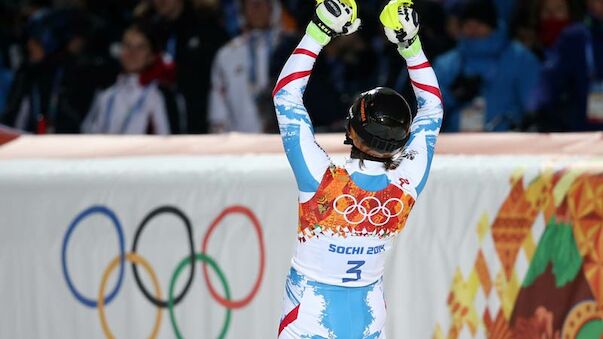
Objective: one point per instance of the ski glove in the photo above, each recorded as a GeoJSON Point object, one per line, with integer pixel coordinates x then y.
{"type": "Point", "coordinates": [400, 22]}
{"type": "Point", "coordinates": [333, 18]}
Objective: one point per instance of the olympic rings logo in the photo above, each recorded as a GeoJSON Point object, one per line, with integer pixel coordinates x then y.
{"type": "Point", "coordinates": [136, 260]}
{"type": "Point", "coordinates": [367, 211]}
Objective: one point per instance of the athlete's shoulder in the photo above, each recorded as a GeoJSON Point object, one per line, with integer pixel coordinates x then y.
{"type": "Point", "coordinates": [400, 179]}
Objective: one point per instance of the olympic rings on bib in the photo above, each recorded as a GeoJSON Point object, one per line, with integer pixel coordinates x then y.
{"type": "Point", "coordinates": [189, 232]}
{"type": "Point", "coordinates": [364, 209]}
{"type": "Point", "coordinates": [136, 260]}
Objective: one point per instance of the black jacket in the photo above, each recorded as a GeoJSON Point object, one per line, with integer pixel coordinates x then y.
{"type": "Point", "coordinates": [64, 88]}
{"type": "Point", "coordinates": [197, 39]}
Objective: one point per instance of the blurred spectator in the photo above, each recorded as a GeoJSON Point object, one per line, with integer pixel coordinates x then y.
{"type": "Point", "coordinates": [504, 8]}
{"type": "Point", "coordinates": [38, 100]}
{"type": "Point", "coordinates": [301, 11]}
{"type": "Point", "coordinates": [570, 95]}
{"type": "Point", "coordinates": [594, 50]}
{"type": "Point", "coordinates": [240, 89]}
{"type": "Point", "coordinates": [54, 62]}
{"type": "Point", "coordinates": [191, 39]}
{"type": "Point", "coordinates": [538, 23]}
{"type": "Point", "coordinates": [134, 104]}
{"type": "Point", "coordinates": [111, 19]}
{"type": "Point", "coordinates": [554, 17]}
{"type": "Point", "coordinates": [6, 73]}
{"type": "Point", "coordinates": [85, 71]}
{"type": "Point", "coordinates": [232, 22]}
{"type": "Point", "coordinates": [454, 8]}
{"type": "Point", "coordinates": [488, 81]}
{"type": "Point", "coordinates": [6, 77]}
{"type": "Point", "coordinates": [433, 33]}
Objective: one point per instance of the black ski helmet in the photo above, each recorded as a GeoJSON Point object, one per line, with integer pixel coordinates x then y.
{"type": "Point", "coordinates": [381, 118]}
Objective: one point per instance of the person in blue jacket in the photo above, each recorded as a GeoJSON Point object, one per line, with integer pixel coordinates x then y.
{"type": "Point", "coordinates": [504, 8]}
{"type": "Point", "coordinates": [488, 81]}
{"type": "Point", "coordinates": [570, 94]}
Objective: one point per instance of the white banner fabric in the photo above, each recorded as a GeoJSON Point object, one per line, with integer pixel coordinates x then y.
{"type": "Point", "coordinates": [40, 199]}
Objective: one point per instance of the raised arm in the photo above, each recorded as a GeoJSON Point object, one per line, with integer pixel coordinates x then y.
{"type": "Point", "coordinates": [308, 161]}
{"type": "Point", "coordinates": [425, 128]}
{"type": "Point", "coordinates": [401, 27]}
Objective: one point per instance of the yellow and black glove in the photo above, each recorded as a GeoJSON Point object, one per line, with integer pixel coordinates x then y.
{"type": "Point", "coordinates": [400, 22]}
{"type": "Point", "coordinates": [333, 18]}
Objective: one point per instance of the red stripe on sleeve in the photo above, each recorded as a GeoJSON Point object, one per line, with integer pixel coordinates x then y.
{"type": "Point", "coordinates": [426, 64]}
{"type": "Point", "coordinates": [305, 52]}
{"type": "Point", "coordinates": [431, 89]}
{"type": "Point", "coordinates": [288, 79]}
{"type": "Point", "coordinates": [288, 319]}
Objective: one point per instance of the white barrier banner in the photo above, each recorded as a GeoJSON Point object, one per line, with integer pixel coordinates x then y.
{"type": "Point", "coordinates": [479, 256]}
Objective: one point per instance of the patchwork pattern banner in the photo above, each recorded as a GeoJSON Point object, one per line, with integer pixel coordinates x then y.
{"type": "Point", "coordinates": [538, 268]}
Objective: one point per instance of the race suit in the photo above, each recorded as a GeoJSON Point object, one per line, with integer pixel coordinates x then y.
{"type": "Point", "coordinates": [348, 216]}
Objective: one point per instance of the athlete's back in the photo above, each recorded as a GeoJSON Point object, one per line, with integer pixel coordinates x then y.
{"type": "Point", "coordinates": [348, 216]}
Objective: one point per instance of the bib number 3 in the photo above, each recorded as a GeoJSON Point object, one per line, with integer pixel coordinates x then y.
{"type": "Point", "coordinates": [355, 269]}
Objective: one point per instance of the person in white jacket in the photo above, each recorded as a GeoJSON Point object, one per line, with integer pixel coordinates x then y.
{"type": "Point", "coordinates": [240, 73]}
{"type": "Point", "coordinates": [134, 104]}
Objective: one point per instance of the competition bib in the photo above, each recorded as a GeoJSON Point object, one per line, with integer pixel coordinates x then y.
{"type": "Point", "coordinates": [345, 232]}
{"type": "Point", "coordinates": [351, 262]}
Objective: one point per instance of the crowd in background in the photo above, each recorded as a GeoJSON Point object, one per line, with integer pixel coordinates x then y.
{"type": "Point", "coordinates": [209, 66]}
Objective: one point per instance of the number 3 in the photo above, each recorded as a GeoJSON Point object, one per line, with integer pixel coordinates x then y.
{"type": "Point", "coordinates": [354, 270]}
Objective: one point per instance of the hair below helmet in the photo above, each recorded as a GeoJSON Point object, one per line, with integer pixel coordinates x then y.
{"type": "Point", "coordinates": [381, 118]}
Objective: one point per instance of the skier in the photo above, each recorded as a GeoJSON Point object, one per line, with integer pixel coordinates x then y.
{"type": "Point", "coordinates": [349, 216]}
